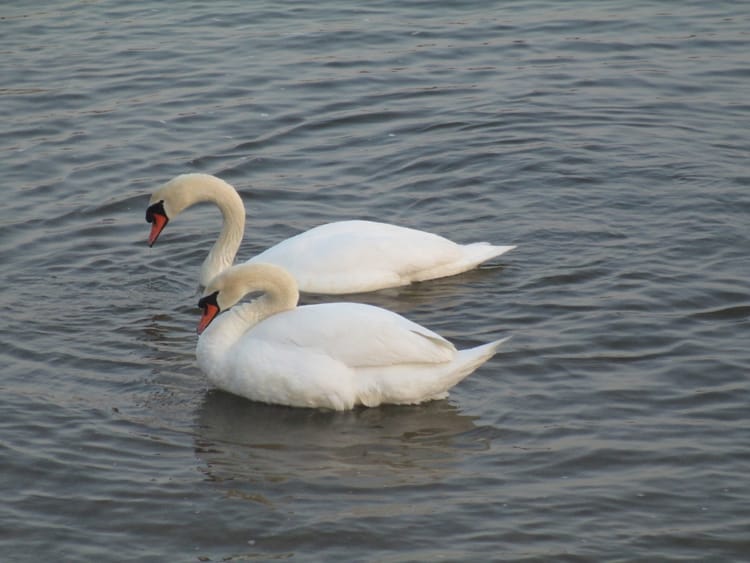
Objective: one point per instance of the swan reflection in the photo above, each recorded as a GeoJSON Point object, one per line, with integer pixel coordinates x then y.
{"type": "Point", "coordinates": [241, 440]}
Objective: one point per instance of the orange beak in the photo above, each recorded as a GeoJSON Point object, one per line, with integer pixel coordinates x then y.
{"type": "Point", "coordinates": [156, 215]}
{"type": "Point", "coordinates": [157, 226]}
{"type": "Point", "coordinates": [209, 313]}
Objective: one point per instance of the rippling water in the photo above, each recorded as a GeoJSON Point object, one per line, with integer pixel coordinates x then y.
{"type": "Point", "coordinates": [607, 139]}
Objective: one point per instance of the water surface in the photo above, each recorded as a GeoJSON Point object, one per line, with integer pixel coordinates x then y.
{"type": "Point", "coordinates": [607, 139]}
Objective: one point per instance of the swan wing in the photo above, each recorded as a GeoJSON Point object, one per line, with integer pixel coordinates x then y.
{"type": "Point", "coordinates": [352, 256]}
{"type": "Point", "coordinates": [354, 334]}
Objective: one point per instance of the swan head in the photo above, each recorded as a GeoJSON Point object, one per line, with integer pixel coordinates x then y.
{"type": "Point", "coordinates": [228, 288]}
{"type": "Point", "coordinates": [220, 295]}
{"type": "Point", "coordinates": [157, 216]}
{"type": "Point", "coordinates": [209, 305]}
{"type": "Point", "coordinates": [172, 198]}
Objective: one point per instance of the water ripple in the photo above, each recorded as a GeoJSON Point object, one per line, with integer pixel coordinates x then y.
{"type": "Point", "coordinates": [606, 141]}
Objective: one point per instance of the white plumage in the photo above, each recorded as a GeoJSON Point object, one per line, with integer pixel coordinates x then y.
{"type": "Point", "coordinates": [335, 258]}
{"type": "Point", "coordinates": [334, 355]}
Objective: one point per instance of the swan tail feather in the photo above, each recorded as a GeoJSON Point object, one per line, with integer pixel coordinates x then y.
{"type": "Point", "coordinates": [416, 384]}
{"type": "Point", "coordinates": [471, 256]}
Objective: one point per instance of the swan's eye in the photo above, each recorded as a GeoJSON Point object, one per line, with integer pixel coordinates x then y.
{"type": "Point", "coordinates": [155, 209]}
{"type": "Point", "coordinates": [207, 300]}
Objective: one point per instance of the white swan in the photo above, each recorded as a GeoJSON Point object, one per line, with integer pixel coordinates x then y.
{"type": "Point", "coordinates": [335, 258]}
{"type": "Point", "coordinates": [331, 355]}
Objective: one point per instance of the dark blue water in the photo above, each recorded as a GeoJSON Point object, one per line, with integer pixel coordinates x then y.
{"type": "Point", "coordinates": [609, 140]}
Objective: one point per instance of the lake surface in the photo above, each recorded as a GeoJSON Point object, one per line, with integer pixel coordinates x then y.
{"type": "Point", "coordinates": [608, 140]}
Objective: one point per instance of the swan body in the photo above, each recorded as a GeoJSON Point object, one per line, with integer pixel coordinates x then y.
{"type": "Point", "coordinates": [331, 355]}
{"type": "Point", "coordinates": [335, 258]}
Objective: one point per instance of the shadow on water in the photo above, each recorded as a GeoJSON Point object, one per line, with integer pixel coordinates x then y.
{"type": "Point", "coordinates": [246, 441]}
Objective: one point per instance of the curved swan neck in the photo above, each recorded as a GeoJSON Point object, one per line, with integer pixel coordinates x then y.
{"type": "Point", "coordinates": [278, 287]}
{"type": "Point", "coordinates": [280, 294]}
{"type": "Point", "coordinates": [222, 253]}
{"type": "Point", "coordinates": [188, 189]}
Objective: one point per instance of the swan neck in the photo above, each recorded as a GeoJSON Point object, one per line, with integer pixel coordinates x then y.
{"type": "Point", "coordinates": [279, 293]}
{"type": "Point", "coordinates": [279, 289]}
{"type": "Point", "coordinates": [222, 253]}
